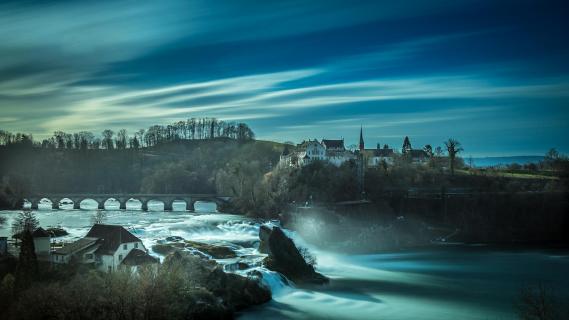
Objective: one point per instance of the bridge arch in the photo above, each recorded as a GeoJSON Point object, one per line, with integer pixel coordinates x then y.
{"type": "Point", "coordinates": [65, 204]}
{"type": "Point", "coordinates": [150, 202]}
{"type": "Point", "coordinates": [112, 204]}
{"type": "Point", "coordinates": [133, 204]}
{"type": "Point", "coordinates": [206, 205]}
{"type": "Point", "coordinates": [27, 204]}
{"type": "Point", "coordinates": [45, 203]}
{"type": "Point", "coordinates": [86, 204]}
{"type": "Point", "coordinates": [178, 203]}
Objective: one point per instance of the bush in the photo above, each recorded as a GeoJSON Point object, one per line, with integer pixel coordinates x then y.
{"type": "Point", "coordinates": [538, 303]}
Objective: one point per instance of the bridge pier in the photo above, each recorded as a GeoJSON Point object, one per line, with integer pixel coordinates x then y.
{"type": "Point", "coordinates": [76, 203]}
{"type": "Point", "coordinates": [100, 204]}
{"type": "Point", "coordinates": [122, 203]}
{"type": "Point", "coordinates": [55, 203]}
{"type": "Point", "coordinates": [144, 206]}
{"type": "Point", "coordinates": [190, 205]}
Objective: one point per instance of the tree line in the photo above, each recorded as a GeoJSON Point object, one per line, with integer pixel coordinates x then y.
{"type": "Point", "coordinates": [190, 129]}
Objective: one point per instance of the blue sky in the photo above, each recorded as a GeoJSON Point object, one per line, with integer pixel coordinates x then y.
{"type": "Point", "coordinates": [494, 75]}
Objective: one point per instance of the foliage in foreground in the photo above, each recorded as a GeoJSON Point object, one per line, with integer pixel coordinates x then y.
{"type": "Point", "coordinates": [183, 287]}
{"type": "Point", "coordinates": [538, 303]}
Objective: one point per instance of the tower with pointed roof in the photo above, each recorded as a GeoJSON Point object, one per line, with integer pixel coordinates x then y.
{"type": "Point", "coordinates": [360, 164]}
{"type": "Point", "coordinates": [362, 145]}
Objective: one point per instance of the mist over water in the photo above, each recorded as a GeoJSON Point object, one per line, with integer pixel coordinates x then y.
{"type": "Point", "coordinates": [465, 282]}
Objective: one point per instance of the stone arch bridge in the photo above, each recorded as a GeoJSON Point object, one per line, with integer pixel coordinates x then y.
{"type": "Point", "coordinates": [167, 199]}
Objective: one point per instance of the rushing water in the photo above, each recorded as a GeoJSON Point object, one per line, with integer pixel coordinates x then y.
{"type": "Point", "coordinates": [466, 282]}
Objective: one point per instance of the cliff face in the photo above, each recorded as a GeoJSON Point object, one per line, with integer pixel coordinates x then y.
{"type": "Point", "coordinates": [285, 258]}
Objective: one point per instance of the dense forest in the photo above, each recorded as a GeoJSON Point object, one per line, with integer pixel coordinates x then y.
{"type": "Point", "coordinates": [191, 129]}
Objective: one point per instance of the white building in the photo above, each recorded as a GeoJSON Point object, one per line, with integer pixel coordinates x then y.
{"type": "Point", "coordinates": [42, 243]}
{"type": "Point", "coordinates": [332, 151]}
{"type": "Point", "coordinates": [107, 247]}
{"type": "Point", "coordinates": [375, 157]}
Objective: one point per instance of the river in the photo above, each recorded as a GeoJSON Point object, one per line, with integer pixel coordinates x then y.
{"type": "Point", "coordinates": [452, 282]}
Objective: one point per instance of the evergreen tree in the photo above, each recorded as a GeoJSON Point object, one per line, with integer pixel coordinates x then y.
{"type": "Point", "coordinates": [27, 268]}
{"type": "Point", "coordinates": [25, 221]}
{"type": "Point", "coordinates": [406, 145]}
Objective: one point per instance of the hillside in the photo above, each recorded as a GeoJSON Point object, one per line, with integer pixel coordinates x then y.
{"type": "Point", "coordinates": [190, 166]}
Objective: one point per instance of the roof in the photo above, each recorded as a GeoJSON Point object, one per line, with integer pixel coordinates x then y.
{"type": "Point", "coordinates": [384, 152]}
{"type": "Point", "coordinates": [286, 150]}
{"type": "Point", "coordinates": [333, 144]}
{"type": "Point", "coordinates": [40, 233]}
{"type": "Point", "coordinates": [138, 257]}
{"type": "Point", "coordinates": [76, 246]}
{"type": "Point", "coordinates": [379, 152]}
{"type": "Point", "coordinates": [417, 153]}
{"type": "Point", "coordinates": [112, 237]}
{"type": "Point", "coordinates": [304, 144]}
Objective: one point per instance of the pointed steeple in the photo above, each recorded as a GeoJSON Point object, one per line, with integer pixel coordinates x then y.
{"type": "Point", "coordinates": [362, 146]}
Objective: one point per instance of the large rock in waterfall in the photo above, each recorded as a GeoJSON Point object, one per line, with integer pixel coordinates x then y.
{"type": "Point", "coordinates": [284, 257]}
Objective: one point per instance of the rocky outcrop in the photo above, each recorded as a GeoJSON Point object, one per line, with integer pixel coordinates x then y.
{"type": "Point", "coordinates": [217, 252]}
{"type": "Point", "coordinates": [264, 234]}
{"type": "Point", "coordinates": [285, 258]}
{"type": "Point", "coordinates": [236, 292]}
{"type": "Point", "coordinates": [57, 232]}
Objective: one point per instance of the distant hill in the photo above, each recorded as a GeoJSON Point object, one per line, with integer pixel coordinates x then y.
{"type": "Point", "coordinates": [502, 161]}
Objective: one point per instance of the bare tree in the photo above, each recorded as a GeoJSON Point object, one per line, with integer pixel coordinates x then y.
{"type": "Point", "coordinates": [121, 140]}
{"type": "Point", "coordinates": [99, 217]}
{"type": "Point", "coordinates": [453, 148]}
{"type": "Point", "coordinates": [108, 139]}
{"type": "Point", "coordinates": [439, 151]}
{"type": "Point", "coordinates": [537, 303]}
{"type": "Point", "coordinates": [428, 149]}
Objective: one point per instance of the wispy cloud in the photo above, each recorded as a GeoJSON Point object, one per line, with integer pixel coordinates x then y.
{"type": "Point", "coordinates": [311, 65]}
{"type": "Point", "coordinates": [271, 95]}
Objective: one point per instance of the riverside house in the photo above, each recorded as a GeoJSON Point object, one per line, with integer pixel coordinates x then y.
{"type": "Point", "coordinates": [107, 247]}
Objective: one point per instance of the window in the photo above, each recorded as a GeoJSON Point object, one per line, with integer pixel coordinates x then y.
{"type": "Point", "coordinates": [120, 257]}
{"type": "Point", "coordinates": [89, 256]}
{"type": "Point", "coordinates": [124, 246]}
{"type": "Point", "coordinates": [136, 245]}
{"type": "Point", "coordinates": [110, 268]}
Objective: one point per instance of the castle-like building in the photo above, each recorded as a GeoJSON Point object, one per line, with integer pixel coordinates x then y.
{"type": "Point", "coordinates": [306, 152]}
{"type": "Point", "coordinates": [335, 152]}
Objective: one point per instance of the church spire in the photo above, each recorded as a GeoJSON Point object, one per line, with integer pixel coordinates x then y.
{"type": "Point", "coordinates": [362, 139]}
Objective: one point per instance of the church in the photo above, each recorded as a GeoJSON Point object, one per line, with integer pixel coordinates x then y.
{"type": "Point", "coordinates": [334, 152]}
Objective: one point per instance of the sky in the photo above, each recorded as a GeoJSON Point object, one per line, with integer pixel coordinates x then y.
{"type": "Point", "coordinates": [492, 74]}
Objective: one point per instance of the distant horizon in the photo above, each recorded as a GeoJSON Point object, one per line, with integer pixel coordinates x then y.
{"type": "Point", "coordinates": [392, 142]}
